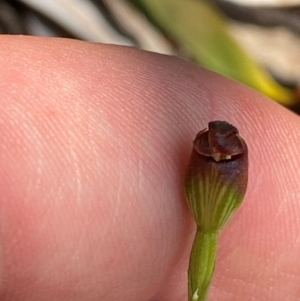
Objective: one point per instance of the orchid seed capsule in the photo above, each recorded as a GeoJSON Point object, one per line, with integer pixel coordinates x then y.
{"type": "Point", "coordinates": [215, 185]}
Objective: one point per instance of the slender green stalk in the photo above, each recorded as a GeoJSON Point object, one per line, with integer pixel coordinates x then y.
{"type": "Point", "coordinates": [202, 264]}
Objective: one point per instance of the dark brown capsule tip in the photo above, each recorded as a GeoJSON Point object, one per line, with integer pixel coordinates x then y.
{"type": "Point", "coordinates": [221, 141]}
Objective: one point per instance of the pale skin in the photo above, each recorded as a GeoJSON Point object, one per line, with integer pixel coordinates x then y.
{"type": "Point", "coordinates": [94, 142]}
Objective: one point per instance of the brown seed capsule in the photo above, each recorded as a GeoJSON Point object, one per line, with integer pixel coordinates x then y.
{"type": "Point", "coordinates": [217, 175]}
{"type": "Point", "coordinates": [215, 186]}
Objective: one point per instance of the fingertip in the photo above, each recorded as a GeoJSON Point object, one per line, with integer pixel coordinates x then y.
{"type": "Point", "coordinates": [113, 128]}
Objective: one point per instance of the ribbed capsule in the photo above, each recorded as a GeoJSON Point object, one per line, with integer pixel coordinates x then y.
{"type": "Point", "coordinates": [215, 186]}
{"type": "Point", "coordinates": [217, 175]}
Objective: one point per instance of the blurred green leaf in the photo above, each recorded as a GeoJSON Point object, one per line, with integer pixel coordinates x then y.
{"type": "Point", "coordinates": [202, 30]}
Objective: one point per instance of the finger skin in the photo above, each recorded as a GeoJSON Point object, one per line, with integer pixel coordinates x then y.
{"type": "Point", "coordinates": [95, 140]}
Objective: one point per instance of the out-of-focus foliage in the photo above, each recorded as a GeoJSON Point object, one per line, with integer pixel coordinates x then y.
{"type": "Point", "coordinates": [201, 29]}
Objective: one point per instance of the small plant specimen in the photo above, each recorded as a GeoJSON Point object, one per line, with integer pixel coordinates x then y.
{"type": "Point", "coordinates": [215, 186]}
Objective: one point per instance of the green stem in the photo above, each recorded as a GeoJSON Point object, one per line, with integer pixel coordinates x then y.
{"type": "Point", "coordinates": [202, 264]}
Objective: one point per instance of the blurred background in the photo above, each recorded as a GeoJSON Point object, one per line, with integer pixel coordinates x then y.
{"type": "Point", "coordinates": [255, 42]}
